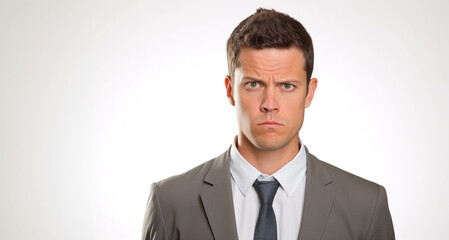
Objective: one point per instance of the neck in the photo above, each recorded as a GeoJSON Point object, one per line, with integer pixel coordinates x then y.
{"type": "Point", "coordinates": [267, 161]}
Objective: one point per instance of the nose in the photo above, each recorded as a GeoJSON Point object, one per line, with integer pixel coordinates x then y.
{"type": "Point", "coordinates": [269, 103]}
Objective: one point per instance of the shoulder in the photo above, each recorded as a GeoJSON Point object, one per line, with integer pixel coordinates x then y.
{"type": "Point", "coordinates": [359, 206]}
{"type": "Point", "coordinates": [343, 180]}
{"type": "Point", "coordinates": [178, 185]}
{"type": "Point", "coordinates": [353, 195]}
{"type": "Point", "coordinates": [173, 201]}
{"type": "Point", "coordinates": [189, 184]}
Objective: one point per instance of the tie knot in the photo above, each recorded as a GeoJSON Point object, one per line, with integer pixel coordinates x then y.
{"type": "Point", "coordinates": [266, 191]}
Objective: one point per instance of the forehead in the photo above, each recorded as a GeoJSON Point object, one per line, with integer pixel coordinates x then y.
{"type": "Point", "coordinates": [288, 61]}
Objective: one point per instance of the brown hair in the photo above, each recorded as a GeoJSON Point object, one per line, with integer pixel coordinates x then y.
{"type": "Point", "coordinates": [269, 29]}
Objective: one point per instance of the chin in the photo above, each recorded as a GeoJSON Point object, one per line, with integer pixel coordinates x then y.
{"type": "Point", "coordinates": [268, 144]}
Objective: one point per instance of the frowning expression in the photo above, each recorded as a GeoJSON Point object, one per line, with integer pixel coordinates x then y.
{"type": "Point", "coordinates": [269, 91]}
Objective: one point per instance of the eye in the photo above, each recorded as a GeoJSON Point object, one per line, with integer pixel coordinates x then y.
{"type": "Point", "coordinates": [288, 86]}
{"type": "Point", "coordinates": [252, 85]}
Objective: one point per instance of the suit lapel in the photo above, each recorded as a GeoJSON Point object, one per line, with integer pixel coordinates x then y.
{"type": "Point", "coordinates": [318, 200]}
{"type": "Point", "coordinates": [216, 197]}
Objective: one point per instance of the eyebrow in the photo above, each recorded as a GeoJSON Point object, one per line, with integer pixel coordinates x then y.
{"type": "Point", "coordinates": [252, 79]}
{"type": "Point", "coordinates": [261, 80]}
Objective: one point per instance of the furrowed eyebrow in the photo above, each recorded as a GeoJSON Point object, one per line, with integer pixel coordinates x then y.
{"type": "Point", "coordinates": [251, 79]}
{"type": "Point", "coordinates": [288, 81]}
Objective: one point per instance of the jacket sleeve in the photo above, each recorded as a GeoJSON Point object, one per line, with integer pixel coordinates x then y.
{"type": "Point", "coordinates": [153, 224]}
{"type": "Point", "coordinates": [381, 226]}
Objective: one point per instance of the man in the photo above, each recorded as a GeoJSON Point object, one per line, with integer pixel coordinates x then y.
{"type": "Point", "coordinates": [267, 185]}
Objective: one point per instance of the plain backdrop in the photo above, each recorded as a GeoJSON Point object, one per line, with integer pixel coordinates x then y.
{"type": "Point", "coordinates": [98, 99]}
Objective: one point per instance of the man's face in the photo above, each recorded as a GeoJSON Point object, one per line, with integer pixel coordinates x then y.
{"type": "Point", "coordinates": [269, 93]}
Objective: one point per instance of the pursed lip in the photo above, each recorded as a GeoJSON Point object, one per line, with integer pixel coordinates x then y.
{"type": "Point", "coordinates": [270, 124]}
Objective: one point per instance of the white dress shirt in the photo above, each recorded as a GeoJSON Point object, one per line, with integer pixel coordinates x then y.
{"type": "Point", "coordinates": [287, 203]}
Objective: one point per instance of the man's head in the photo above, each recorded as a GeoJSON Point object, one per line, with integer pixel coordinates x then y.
{"type": "Point", "coordinates": [270, 57]}
{"type": "Point", "coordinates": [269, 29]}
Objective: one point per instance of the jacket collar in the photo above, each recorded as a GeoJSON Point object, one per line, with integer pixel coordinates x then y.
{"type": "Point", "coordinates": [217, 200]}
{"type": "Point", "coordinates": [318, 199]}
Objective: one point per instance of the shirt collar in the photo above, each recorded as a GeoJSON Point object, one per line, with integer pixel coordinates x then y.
{"type": "Point", "coordinates": [289, 176]}
{"type": "Point", "coordinates": [243, 173]}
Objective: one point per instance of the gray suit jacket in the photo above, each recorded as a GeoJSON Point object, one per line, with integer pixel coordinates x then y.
{"type": "Point", "coordinates": [198, 205]}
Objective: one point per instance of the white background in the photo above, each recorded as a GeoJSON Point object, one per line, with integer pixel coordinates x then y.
{"type": "Point", "coordinates": [98, 99]}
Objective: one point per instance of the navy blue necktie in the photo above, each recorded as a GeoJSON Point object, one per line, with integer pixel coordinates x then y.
{"type": "Point", "coordinates": [266, 222]}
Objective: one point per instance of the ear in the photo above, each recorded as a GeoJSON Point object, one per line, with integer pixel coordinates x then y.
{"type": "Point", "coordinates": [228, 84]}
{"type": "Point", "coordinates": [312, 87]}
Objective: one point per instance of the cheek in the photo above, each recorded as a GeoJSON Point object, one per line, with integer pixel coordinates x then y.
{"type": "Point", "coordinates": [247, 102]}
{"type": "Point", "coordinates": [295, 111]}
{"type": "Point", "coordinates": [246, 108]}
